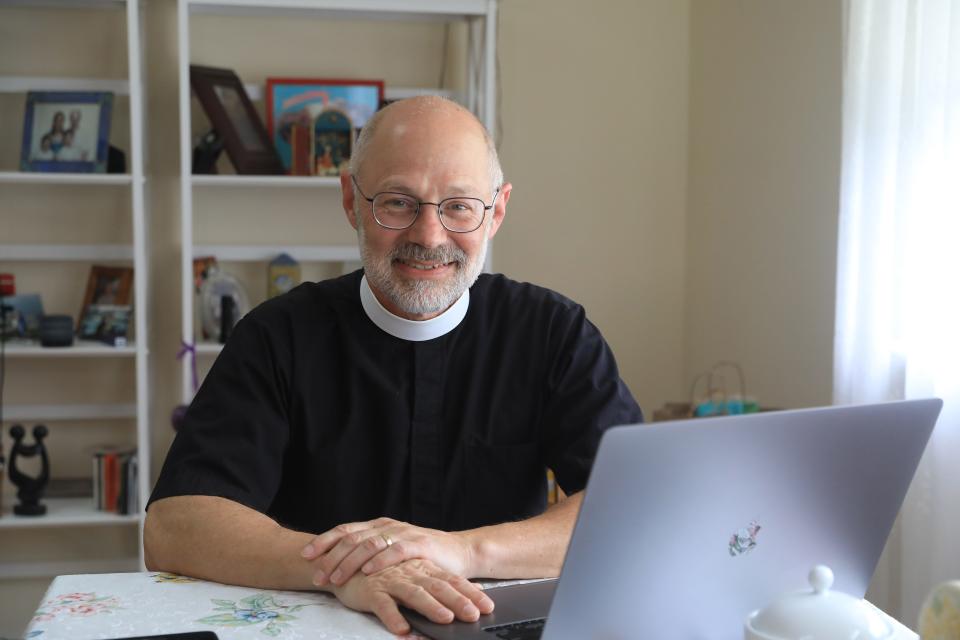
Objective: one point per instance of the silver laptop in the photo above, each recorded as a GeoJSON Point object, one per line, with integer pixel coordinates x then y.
{"type": "Point", "coordinates": [688, 526]}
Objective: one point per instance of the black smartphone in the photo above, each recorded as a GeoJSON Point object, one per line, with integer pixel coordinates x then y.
{"type": "Point", "coordinates": [186, 635]}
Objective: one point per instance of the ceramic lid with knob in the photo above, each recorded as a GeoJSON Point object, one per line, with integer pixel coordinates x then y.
{"type": "Point", "coordinates": [817, 614]}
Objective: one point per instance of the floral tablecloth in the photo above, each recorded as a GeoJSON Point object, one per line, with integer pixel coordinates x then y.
{"type": "Point", "coordinates": [117, 605]}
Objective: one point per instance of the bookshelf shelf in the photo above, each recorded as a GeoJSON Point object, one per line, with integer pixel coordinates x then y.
{"type": "Point", "coordinates": [80, 349]}
{"type": "Point", "coordinates": [266, 253]}
{"type": "Point", "coordinates": [22, 84]}
{"type": "Point", "coordinates": [91, 179]}
{"type": "Point", "coordinates": [208, 348]}
{"type": "Point", "coordinates": [316, 182]}
{"type": "Point", "coordinates": [65, 252]}
{"type": "Point", "coordinates": [69, 412]}
{"type": "Point", "coordinates": [61, 512]}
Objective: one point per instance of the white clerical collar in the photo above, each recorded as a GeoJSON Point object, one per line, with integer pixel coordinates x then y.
{"type": "Point", "coordinates": [413, 330]}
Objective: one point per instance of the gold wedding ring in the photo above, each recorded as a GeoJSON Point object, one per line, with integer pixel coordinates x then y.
{"type": "Point", "coordinates": [387, 539]}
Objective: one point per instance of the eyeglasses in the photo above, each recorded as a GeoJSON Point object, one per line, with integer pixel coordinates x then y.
{"type": "Point", "coordinates": [399, 211]}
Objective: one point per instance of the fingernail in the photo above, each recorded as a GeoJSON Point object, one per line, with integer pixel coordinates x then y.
{"type": "Point", "coordinates": [445, 614]}
{"type": "Point", "coordinates": [307, 551]}
{"type": "Point", "coordinates": [335, 577]}
{"type": "Point", "coordinates": [318, 579]}
{"type": "Point", "coordinates": [470, 611]}
{"type": "Point", "coordinates": [367, 568]}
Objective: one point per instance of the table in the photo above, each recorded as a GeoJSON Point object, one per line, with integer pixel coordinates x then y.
{"type": "Point", "coordinates": [115, 605]}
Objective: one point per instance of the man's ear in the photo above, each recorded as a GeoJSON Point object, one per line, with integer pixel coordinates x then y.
{"type": "Point", "coordinates": [499, 209]}
{"type": "Point", "coordinates": [346, 192]}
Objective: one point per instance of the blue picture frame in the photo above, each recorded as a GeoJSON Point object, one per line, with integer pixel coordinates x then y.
{"type": "Point", "coordinates": [66, 131]}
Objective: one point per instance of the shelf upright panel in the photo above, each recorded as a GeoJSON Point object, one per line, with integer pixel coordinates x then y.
{"type": "Point", "coordinates": [135, 73]}
{"type": "Point", "coordinates": [186, 198]}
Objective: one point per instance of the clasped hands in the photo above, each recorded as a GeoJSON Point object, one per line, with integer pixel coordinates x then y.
{"type": "Point", "coordinates": [372, 566]}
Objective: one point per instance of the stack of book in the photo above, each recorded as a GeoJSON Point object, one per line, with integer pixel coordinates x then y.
{"type": "Point", "coordinates": [115, 479]}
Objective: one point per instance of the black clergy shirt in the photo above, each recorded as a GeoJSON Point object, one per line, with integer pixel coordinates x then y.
{"type": "Point", "coordinates": [315, 416]}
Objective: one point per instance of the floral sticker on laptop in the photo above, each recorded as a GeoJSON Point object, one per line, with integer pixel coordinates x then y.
{"type": "Point", "coordinates": [744, 540]}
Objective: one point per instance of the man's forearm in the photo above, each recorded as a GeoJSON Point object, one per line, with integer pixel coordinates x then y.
{"type": "Point", "coordinates": [530, 548]}
{"type": "Point", "coordinates": [218, 539]}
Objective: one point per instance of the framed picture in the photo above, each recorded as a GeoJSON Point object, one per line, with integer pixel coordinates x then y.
{"type": "Point", "coordinates": [66, 131]}
{"type": "Point", "coordinates": [108, 323]}
{"type": "Point", "coordinates": [313, 122]}
{"type": "Point", "coordinates": [232, 115]}
{"type": "Point", "coordinates": [22, 315]}
{"type": "Point", "coordinates": [106, 286]}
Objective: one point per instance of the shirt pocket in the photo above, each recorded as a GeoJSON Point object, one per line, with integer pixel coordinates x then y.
{"type": "Point", "coordinates": [502, 483]}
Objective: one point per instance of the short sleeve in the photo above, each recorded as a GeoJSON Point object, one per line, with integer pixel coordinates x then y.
{"type": "Point", "coordinates": [584, 397]}
{"type": "Point", "coordinates": [232, 441]}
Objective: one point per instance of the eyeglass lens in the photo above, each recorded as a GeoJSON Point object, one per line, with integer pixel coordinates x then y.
{"type": "Point", "coordinates": [398, 211]}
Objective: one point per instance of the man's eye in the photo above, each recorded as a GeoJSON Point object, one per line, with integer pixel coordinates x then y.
{"type": "Point", "coordinates": [398, 203]}
{"type": "Point", "coordinates": [457, 207]}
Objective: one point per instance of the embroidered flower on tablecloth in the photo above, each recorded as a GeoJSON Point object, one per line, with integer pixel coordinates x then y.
{"type": "Point", "coordinates": [172, 578]}
{"type": "Point", "coordinates": [76, 604]}
{"type": "Point", "coordinates": [253, 610]}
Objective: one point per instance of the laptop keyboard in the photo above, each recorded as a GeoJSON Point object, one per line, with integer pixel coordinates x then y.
{"type": "Point", "coordinates": [527, 630]}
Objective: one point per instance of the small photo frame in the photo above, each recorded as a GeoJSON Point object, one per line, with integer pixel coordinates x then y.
{"type": "Point", "coordinates": [106, 286]}
{"type": "Point", "coordinates": [232, 115]}
{"type": "Point", "coordinates": [313, 123]}
{"type": "Point", "coordinates": [107, 323]}
{"type": "Point", "coordinates": [66, 131]}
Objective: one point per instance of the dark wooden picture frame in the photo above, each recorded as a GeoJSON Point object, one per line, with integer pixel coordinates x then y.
{"type": "Point", "coordinates": [107, 285]}
{"type": "Point", "coordinates": [227, 105]}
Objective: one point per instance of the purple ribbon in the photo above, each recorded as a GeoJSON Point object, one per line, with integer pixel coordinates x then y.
{"type": "Point", "coordinates": [186, 348]}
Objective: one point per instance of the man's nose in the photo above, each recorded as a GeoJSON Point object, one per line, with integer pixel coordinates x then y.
{"type": "Point", "coordinates": [427, 230]}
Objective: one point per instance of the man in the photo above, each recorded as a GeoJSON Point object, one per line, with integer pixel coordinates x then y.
{"type": "Point", "coordinates": [406, 413]}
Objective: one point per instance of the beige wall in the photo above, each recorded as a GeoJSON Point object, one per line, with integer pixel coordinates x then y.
{"type": "Point", "coordinates": [765, 108]}
{"type": "Point", "coordinates": [594, 109]}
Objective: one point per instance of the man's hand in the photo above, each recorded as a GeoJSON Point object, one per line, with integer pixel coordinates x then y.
{"type": "Point", "coordinates": [419, 585]}
{"type": "Point", "coordinates": [374, 545]}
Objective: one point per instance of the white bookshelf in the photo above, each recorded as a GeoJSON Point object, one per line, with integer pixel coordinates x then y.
{"type": "Point", "coordinates": [264, 253]}
{"type": "Point", "coordinates": [309, 182]}
{"type": "Point", "coordinates": [69, 513]}
{"type": "Point", "coordinates": [479, 95]}
{"type": "Point", "coordinates": [66, 252]}
{"type": "Point", "coordinates": [39, 412]}
{"type": "Point", "coordinates": [65, 512]}
{"type": "Point", "coordinates": [79, 349]}
{"type": "Point", "coordinates": [91, 179]}
{"type": "Point", "coordinates": [22, 84]}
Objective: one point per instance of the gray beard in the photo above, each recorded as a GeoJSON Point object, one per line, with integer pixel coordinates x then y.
{"type": "Point", "coordinates": [419, 297]}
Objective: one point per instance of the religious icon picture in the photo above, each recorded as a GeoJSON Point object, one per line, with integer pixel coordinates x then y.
{"type": "Point", "coordinates": [313, 123]}
{"type": "Point", "coordinates": [66, 131]}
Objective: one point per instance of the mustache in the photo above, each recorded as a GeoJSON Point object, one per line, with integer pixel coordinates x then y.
{"type": "Point", "coordinates": [444, 253]}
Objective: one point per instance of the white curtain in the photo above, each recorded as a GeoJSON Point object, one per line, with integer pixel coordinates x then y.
{"type": "Point", "coordinates": [898, 286]}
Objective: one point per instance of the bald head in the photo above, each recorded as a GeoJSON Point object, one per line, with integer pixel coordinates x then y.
{"type": "Point", "coordinates": [423, 116]}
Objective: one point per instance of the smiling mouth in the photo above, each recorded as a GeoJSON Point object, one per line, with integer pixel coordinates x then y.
{"type": "Point", "coordinates": [425, 267]}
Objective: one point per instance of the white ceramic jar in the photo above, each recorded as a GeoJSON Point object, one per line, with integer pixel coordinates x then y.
{"type": "Point", "coordinates": [940, 615]}
{"type": "Point", "coordinates": [817, 614]}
